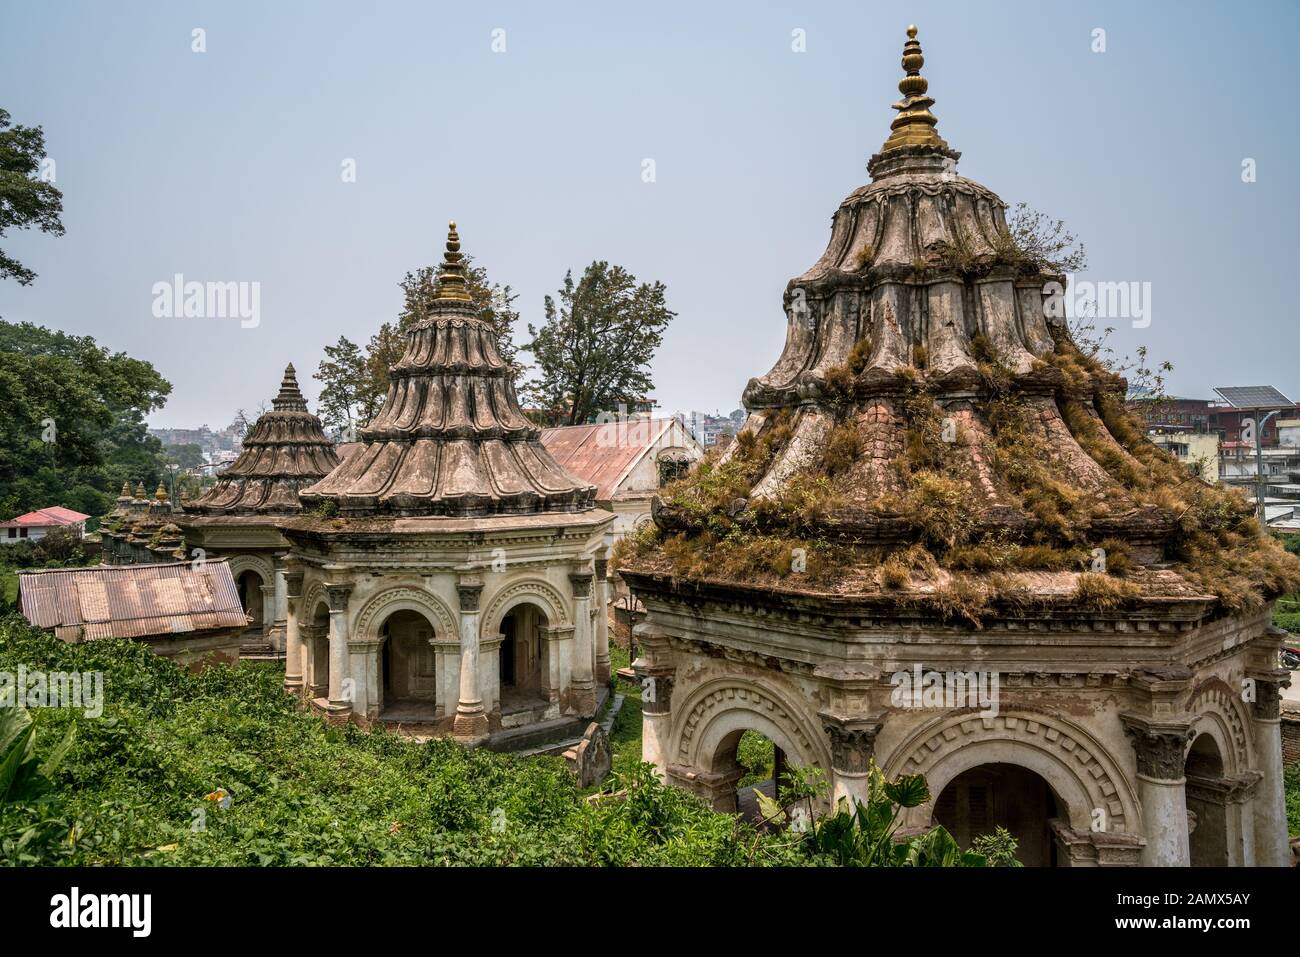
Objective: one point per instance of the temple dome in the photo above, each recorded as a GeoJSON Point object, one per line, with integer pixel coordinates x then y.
{"type": "Point", "coordinates": [921, 289]}
{"type": "Point", "coordinates": [451, 439]}
{"type": "Point", "coordinates": [931, 420]}
{"type": "Point", "coordinates": [285, 451]}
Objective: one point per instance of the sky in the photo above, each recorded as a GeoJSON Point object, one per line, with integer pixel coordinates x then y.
{"type": "Point", "coordinates": [229, 165]}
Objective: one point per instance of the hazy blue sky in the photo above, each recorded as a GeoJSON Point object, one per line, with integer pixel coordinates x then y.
{"type": "Point", "coordinates": [225, 165]}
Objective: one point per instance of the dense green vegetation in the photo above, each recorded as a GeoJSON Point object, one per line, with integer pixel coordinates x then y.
{"type": "Point", "coordinates": [74, 425]}
{"type": "Point", "coordinates": [221, 768]}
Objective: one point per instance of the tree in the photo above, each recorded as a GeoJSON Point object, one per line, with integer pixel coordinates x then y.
{"type": "Point", "coordinates": [74, 425]}
{"type": "Point", "coordinates": [348, 397]}
{"type": "Point", "coordinates": [595, 347]}
{"type": "Point", "coordinates": [26, 200]}
{"type": "Point", "coordinates": [1046, 241]}
{"type": "Point", "coordinates": [187, 456]}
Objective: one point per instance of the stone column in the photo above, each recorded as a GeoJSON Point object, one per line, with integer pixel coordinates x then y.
{"type": "Point", "coordinates": [1271, 845]}
{"type": "Point", "coordinates": [1161, 751]}
{"type": "Point", "coordinates": [853, 743]}
{"type": "Point", "coordinates": [268, 611]}
{"type": "Point", "coordinates": [471, 723]}
{"type": "Point", "coordinates": [340, 694]}
{"type": "Point", "coordinates": [602, 669]}
{"type": "Point", "coordinates": [280, 628]}
{"type": "Point", "coordinates": [657, 677]}
{"type": "Point", "coordinates": [582, 687]}
{"type": "Point", "coordinates": [293, 646]}
{"type": "Point", "coordinates": [364, 671]}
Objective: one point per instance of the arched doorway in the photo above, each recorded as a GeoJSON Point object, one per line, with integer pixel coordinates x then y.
{"type": "Point", "coordinates": [1207, 821]}
{"type": "Point", "coordinates": [746, 761]}
{"type": "Point", "coordinates": [408, 682]}
{"type": "Point", "coordinates": [763, 766]}
{"type": "Point", "coordinates": [984, 798]}
{"type": "Point", "coordinates": [522, 659]}
{"type": "Point", "coordinates": [250, 597]}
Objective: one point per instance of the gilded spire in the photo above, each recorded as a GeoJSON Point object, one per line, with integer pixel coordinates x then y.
{"type": "Point", "coordinates": [161, 494]}
{"type": "Point", "coordinates": [914, 125]}
{"type": "Point", "coordinates": [126, 490]}
{"type": "Point", "coordinates": [140, 493]}
{"type": "Point", "coordinates": [451, 278]}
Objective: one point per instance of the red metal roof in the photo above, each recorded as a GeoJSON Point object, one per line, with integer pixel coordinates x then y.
{"type": "Point", "coordinates": [132, 601]}
{"type": "Point", "coordinates": [602, 453]}
{"type": "Point", "coordinates": [54, 515]}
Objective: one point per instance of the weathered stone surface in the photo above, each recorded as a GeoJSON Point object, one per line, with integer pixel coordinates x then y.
{"type": "Point", "coordinates": [451, 439]}
{"type": "Point", "coordinates": [284, 452]}
{"type": "Point", "coordinates": [591, 758]}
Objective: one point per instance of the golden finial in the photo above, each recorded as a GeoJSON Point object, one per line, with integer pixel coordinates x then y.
{"type": "Point", "coordinates": [139, 490]}
{"type": "Point", "coordinates": [126, 490]}
{"type": "Point", "coordinates": [161, 494]}
{"type": "Point", "coordinates": [914, 125]}
{"type": "Point", "coordinates": [451, 278]}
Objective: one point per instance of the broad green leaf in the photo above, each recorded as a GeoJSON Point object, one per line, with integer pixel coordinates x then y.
{"type": "Point", "coordinates": [910, 790]}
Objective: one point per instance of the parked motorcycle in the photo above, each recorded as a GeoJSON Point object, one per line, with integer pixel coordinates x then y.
{"type": "Point", "coordinates": [1290, 657]}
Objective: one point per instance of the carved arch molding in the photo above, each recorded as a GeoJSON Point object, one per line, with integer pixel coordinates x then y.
{"type": "Point", "coordinates": [717, 701]}
{"type": "Point", "coordinates": [243, 563]}
{"type": "Point", "coordinates": [380, 606]}
{"type": "Point", "coordinates": [541, 593]}
{"type": "Point", "coordinates": [1075, 764]}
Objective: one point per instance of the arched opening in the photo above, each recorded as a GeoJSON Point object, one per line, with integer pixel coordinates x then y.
{"type": "Point", "coordinates": [522, 658]}
{"type": "Point", "coordinates": [250, 597]}
{"type": "Point", "coordinates": [1207, 819]}
{"type": "Point", "coordinates": [408, 682]}
{"type": "Point", "coordinates": [315, 640]}
{"type": "Point", "coordinates": [745, 763]}
{"type": "Point", "coordinates": [978, 801]}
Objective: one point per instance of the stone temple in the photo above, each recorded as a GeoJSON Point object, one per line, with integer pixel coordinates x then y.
{"type": "Point", "coordinates": [449, 575]}
{"type": "Point", "coordinates": [941, 545]}
{"type": "Point", "coordinates": [285, 451]}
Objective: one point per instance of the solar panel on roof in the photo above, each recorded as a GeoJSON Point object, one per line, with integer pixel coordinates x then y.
{"type": "Point", "coordinates": [1254, 397]}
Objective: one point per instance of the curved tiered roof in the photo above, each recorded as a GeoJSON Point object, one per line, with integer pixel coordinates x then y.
{"type": "Point", "coordinates": [928, 401]}
{"type": "Point", "coordinates": [285, 451]}
{"type": "Point", "coordinates": [451, 439]}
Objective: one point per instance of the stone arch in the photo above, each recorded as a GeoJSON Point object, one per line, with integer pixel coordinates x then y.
{"type": "Point", "coordinates": [404, 598]}
{"type": "Point", "coordinates": [1073, 763]}
{"type": "Point", "coordinates": [720, 708]}
{"type": "Point", "coordinates": [536, 590]}
{"type": "Point", "coordinates": [314, 597]}
{"type": "Point", "coordinates": [1218, 711]}
{"type": "Point", "coordinates": [255, 563]}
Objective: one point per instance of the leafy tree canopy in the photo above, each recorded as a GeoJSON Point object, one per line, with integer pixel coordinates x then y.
{"type": "Point", "coordinates": [26, 200]}
{"type": "Point", "coordinates": [595, 348]}
{"type": "Point", "coordinates": [74, 426]}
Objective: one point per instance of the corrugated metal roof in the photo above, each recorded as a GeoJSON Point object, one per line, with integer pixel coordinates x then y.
{"type": "Point", "coordinates": [603, 453]}
{"type": "Point", "coordinates": [132, 601]}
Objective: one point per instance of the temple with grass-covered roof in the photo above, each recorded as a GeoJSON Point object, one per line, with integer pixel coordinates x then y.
{"type": "Point", "coordinates": [940, 544]}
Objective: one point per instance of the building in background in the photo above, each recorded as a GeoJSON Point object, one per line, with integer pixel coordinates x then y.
{"type": "Point", "coordinates": [1199, 451]}
{"type": "Point", "coordinates": [627, 460]}
{"type": "Point", "coordinates": [709, 429]}
{"type": "Point", "coordinates": [34, 526]}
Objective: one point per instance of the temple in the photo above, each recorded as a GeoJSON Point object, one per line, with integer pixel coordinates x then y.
{"type": "Point", "coordinates": [449, 575]}
{"type": "Point", "coordinates": [283, 452]}
{"type": "Point", "coordinates": [940, 546]}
